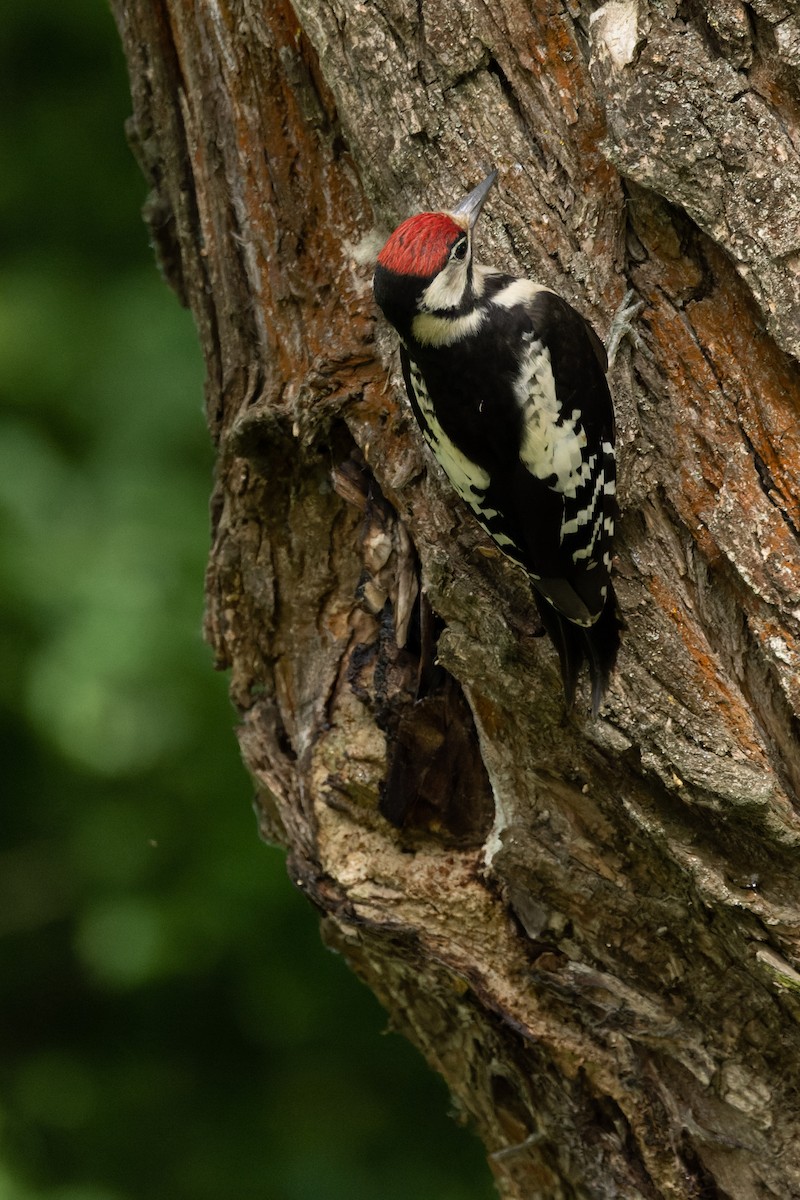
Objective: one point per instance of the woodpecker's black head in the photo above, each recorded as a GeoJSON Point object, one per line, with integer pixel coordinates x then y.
{"type": "Point", "coordinates": [426, 265]}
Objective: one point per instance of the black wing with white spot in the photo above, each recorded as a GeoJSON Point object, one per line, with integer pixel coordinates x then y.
{"type": "Point", "coordinates": [568, 444]}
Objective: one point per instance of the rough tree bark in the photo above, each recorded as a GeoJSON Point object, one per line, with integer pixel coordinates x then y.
{"type": "Point", "coordinates": [592, 929]}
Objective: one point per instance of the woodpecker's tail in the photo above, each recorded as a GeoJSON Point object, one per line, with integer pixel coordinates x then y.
{"type": "Point", "coordinates": [596, 645]}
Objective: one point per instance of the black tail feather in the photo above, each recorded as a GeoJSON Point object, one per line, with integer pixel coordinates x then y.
{"type": "Point", "coordinates": [597, 645]}
{"type": "Point", "coordinates": [602, 642]}
{"type": "Point", "coordinates": [567, 640]}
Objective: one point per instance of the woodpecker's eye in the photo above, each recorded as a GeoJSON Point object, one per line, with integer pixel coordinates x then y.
{"type": "Point", "coordinates": [459, 251]}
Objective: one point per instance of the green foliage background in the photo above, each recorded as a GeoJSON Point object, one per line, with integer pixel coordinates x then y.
{"type": "Point", "coordinates": [170, 1025]}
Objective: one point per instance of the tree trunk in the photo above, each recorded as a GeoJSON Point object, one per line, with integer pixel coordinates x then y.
{"type": "Point", "coordinates": [590, 928]}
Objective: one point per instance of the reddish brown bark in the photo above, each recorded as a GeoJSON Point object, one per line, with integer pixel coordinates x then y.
{"type": "Point", "coordinates": [591, 929]}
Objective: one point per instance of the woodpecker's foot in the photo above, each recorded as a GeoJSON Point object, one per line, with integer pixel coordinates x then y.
{"type": "Point", "coordinates": [622, 326]}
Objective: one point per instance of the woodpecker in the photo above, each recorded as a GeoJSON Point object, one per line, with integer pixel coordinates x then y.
{"type": "Point", "coordinates": [508, 384]}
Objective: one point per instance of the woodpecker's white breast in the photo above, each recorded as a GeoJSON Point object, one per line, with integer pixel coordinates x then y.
{"type": "Point", "coordinates": [432, 330]}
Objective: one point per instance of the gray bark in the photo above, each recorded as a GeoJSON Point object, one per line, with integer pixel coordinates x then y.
{"type": "Point", "coordinates": [592, 929]}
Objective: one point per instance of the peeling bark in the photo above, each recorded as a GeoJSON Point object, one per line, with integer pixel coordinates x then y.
{"type": "Point", "coordinates": [592, 929]}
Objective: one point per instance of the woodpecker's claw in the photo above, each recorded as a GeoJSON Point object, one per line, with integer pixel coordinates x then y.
{"type": "Point", "coordinates": [622, 326]}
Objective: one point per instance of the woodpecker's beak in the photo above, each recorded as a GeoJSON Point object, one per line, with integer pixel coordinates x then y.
{"type": "Point", "coordinates": [470, 207]}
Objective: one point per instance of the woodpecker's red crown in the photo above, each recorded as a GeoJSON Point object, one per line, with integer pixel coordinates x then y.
{"type": "Point", "coordinates": [421, 245]}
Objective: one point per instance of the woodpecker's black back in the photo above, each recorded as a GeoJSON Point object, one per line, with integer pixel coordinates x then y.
{"type": "Point", "coordinates": [507, 382]}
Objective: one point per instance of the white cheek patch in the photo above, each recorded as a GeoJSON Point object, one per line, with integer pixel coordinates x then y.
{"type": "Point", "coordinates": [433, 326]}
{"type": "Point", "coordinates": [447, 289]}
